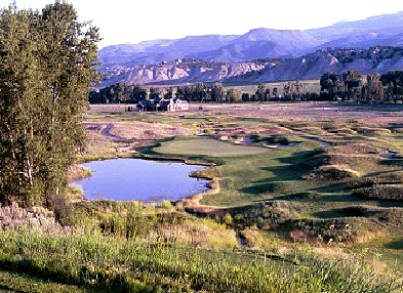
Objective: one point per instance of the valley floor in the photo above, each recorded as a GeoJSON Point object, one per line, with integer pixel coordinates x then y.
{"type": "Point", "coordinates": [306, 197]}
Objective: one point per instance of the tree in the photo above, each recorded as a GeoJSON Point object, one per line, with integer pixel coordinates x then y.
{"type": "Point", "coordinates": [261, 92]}
{"type": "Point", "coordinates": [19, 85]}
{"type": "Point", "coordinates": [287, 90]}
{"type": "Point", "coordinates": [233, 96]}
{"type": "Point", "coordinates": [353, 82]}
{"type": "Point", "coordinates": [275, 92]}
{"type": "Point", "coordinates": [46, 70]}
{"type": "Point", "coordinates": [217, 92]}
{"type": "Point", "coordinates": [394, 81]}
{"type": "Point", "coordinates": [296, 90]}
{"type": "Point", "coordinates": [267, 94]}
{"type": "Point", "coordinates": [328, 87]}
{"type": "Point", "coordinates": [201, 91]}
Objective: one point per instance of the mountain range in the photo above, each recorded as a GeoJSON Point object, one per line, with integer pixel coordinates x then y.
{"type": "Point", "coordinates": [133, 62]}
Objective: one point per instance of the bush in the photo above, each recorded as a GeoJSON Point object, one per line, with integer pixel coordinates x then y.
{"type": "Point", "coordinates": [166, 205]}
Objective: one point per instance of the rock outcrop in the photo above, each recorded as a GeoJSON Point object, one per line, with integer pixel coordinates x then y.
{"type": "Point", "coordinates": [310, 66]}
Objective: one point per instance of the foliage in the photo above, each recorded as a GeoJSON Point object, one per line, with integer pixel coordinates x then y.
{"type": "Point", "coordinates": [46, 69]}
{"type": "Point", "coordinates": [166, 205]}
{"type": "Point", "coordinates": [118, 93]}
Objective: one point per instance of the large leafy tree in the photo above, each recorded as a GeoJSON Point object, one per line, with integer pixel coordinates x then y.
{"type": "Point", "coordinates": [46, 70]}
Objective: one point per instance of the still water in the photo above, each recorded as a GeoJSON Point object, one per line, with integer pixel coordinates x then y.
{"type": "Point", "coordinates": [137, 179]}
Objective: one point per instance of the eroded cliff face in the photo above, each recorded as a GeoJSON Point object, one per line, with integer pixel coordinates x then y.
{"type": "Point", "coordinates": [181, 72]}
{"type": "Point", "coordinates": [310, 66]}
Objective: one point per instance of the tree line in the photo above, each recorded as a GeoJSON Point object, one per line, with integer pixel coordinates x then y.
{"type": "Point", "coordinates": [199, 92]}
{"type": "Point", "coordinates": [126, 93]}
{"type": "Point", "coordinates": [349, 86]}
{"type": "Point", "coordinates": [46, 72]}
{"type": "Point", "coordinates": [352, 86]}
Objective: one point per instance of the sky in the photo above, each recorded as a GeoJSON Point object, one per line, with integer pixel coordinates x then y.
{"type": "Point", "coordinates": [134, 21]}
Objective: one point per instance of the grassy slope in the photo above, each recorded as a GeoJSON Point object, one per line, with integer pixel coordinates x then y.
{"type": "Point", "coordinates": [109, 265]}
{"type": "Point", "coordinates": [248, 179]}
{"type": "Point", "coordinates": [22, 282]}
{"type": "Point", "coordinates": [388, 250]}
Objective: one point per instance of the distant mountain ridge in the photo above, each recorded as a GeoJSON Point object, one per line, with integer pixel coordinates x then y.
{"type": "Point", "coordinates": [310, 66]}
{"type": "Point", "coordinates": [385, 24]}
{"type": "Point", "coordinates": [238, 51]}
{"type": "Point", "coordinates": [257, 43]}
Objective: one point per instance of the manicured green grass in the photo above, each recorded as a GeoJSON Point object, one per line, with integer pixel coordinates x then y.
{"type": "Point", "coordinates": [207, 147]}
{"type": "Point", "coordinates": [247, 174]}
{"type": "Point", "coordinates": [251, 179]}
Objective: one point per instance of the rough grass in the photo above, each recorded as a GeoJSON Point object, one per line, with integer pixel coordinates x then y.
{"type": "Point", "coordinates": [113, 266]}
{"type": "Point", "coordinates": [11, 282]}
{"type": "Point", "coordinates": [388, 250]}
{"type": "Point", "coordinates": [384, 192]}
{"type": "Point", "coordinates": [130, 220]}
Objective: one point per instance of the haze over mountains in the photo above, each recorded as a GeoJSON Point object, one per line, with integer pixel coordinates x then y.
{"type": "Point", "coordinates": [128, 60]}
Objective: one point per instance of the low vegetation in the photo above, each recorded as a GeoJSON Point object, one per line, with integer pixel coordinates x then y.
{"type": "Point", "coordinates": [89, 258]}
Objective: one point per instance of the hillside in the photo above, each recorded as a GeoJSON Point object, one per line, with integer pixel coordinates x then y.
{"type": "Point", "coordinates": [257, 43]}
{"type": "Point", "coordinates": [150, 52]}
{"type": "Point", "coordinates": [310, 66]}
{"type": "Point", "coordinates": [182, 71]}
{"type": "Point", "coordinates": [380, 25]}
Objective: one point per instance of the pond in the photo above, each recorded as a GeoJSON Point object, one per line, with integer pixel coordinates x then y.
{"type": "Point", "coordinates": [138, 179]}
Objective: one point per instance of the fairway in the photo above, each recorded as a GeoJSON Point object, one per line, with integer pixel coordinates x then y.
{"type": "Point", "coordinates": [207, 147]}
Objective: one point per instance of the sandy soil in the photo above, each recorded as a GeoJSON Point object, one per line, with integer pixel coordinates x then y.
{"type": "Point", "coordinates": [124, 132]}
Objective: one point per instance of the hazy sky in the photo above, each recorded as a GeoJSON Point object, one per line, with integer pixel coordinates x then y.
{"type": "Point", "coordinates": [133, 21]}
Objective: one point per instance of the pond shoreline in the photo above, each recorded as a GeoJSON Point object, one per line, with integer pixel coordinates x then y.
{"type": "Point", "coordinates": [169, 193]}
{"type": "Point", "coordinates": [190, 201]}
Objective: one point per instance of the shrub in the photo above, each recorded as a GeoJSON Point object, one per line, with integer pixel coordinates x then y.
{"type": "Point", "coordinates": [166, 205]}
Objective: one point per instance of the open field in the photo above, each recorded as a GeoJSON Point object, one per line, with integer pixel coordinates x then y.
{"type": "Point", "coordinates": [312, 86]}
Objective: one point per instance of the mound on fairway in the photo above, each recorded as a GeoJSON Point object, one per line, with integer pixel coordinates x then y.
{"type": "Point", "coordinates": [207, 147]}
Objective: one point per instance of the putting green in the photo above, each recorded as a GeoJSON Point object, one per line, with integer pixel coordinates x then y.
{"type": "Point", "coordinates": [207, 147]}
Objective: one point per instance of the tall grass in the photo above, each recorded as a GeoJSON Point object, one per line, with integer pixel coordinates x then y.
{"type": "Point", "coordinates": [124, 266]}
